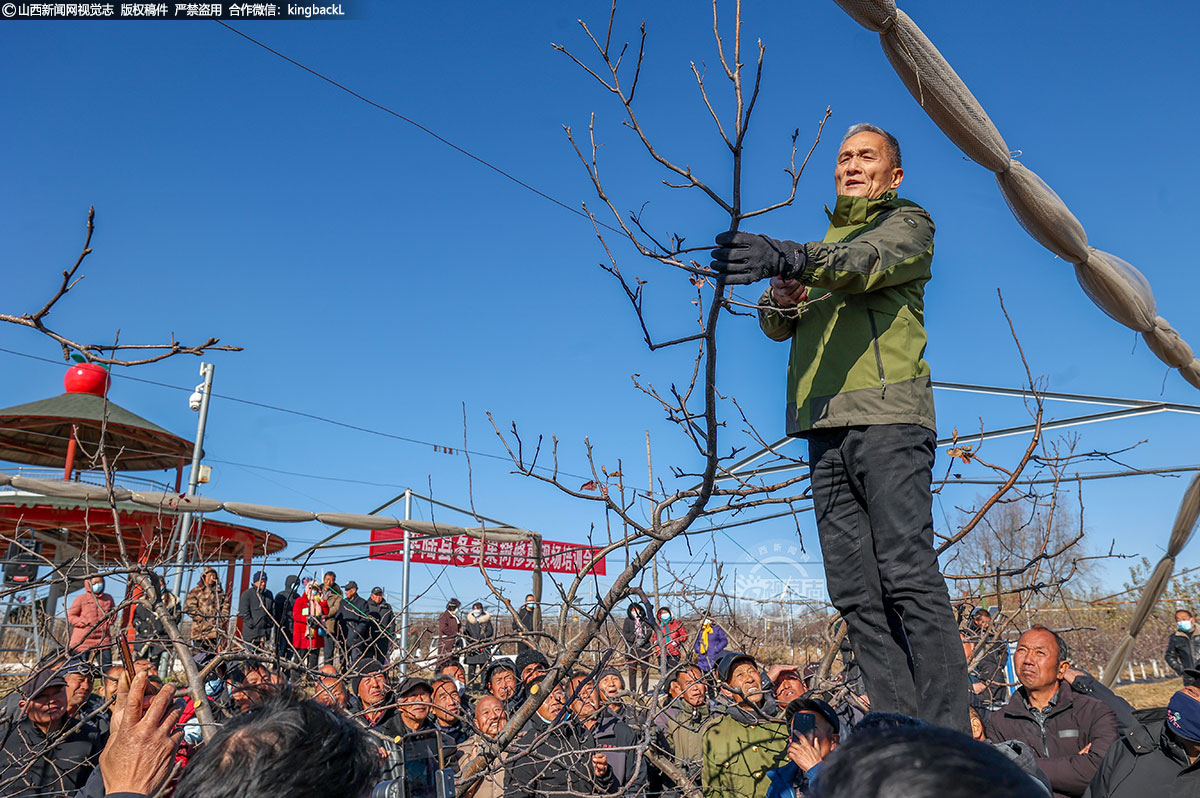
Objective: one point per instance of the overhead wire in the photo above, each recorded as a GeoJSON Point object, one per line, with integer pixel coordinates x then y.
{"type": "Point", "coordinates": [462, 150]}
{"type": "Point", "coordinates": [307, 415]}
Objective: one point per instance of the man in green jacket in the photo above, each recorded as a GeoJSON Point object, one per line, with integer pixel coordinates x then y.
{"type": "Point", "coordinates": [741, 742]}
{"type": "Point", "coordinates": [859, 390]}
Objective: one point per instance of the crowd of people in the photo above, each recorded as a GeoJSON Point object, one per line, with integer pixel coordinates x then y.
{"type": "Point", "coordinates": [672, 713]}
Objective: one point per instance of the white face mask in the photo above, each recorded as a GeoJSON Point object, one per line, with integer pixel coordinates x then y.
{"type": "Point", "coordinates": [1184, 626]}
{"type": "Point", "coordinates": [98, 587]}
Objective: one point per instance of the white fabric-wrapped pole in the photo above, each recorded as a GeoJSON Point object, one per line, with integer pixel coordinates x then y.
{"type": "Point", "coordinates": [1191, 372]}
{"type": "Point", "coordinates": [1165, 342]}
{"type": "Point", "coordinates": [1043, 215]}
{"type": "Point", "coordinates": [876, 15]}
{"type": "Point", "coordinates": [942, 94]}
{"type": "Point", "coordinates": [1118, 289]}
{"type": "Point", "coordinates": [267, 512]}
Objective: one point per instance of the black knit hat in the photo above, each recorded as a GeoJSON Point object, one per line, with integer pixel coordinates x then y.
{"type": "Point", "coordinates": [497, 665]}
{"type": "Point", "coordinates": [530, 656]}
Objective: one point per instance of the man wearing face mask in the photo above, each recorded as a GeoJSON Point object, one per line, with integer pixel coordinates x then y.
{"type": "Point", "coordinates": [91, 619]}
{"type": "Point", "coordinates": [525, 621]}
{"type": "Point", "coordinates": [1183, 646]}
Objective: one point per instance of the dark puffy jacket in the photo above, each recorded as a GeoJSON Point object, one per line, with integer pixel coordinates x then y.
{"type": "Point", "coordinates": [356, 621]}
{"type": "Point", "coordinates": [255, 608]}
{"type": "Point", "coordinates": [619, 741]}
{"type": "Point", "coordinates": [1086, 684]}
{"type": "Point", "coordinates": [639, 637]}
{"type": "Point", "coordinates": [1183, 651]}
{"type": "Point", "coordinates": [383, 626]}
{"type": "Point", "coordinates": [558, 766]}
{"type": "Point", "coordinates": [1147, 762]}
{"type": "Point", "coordinates": [478, 629]}
{"type": "Point", "coordinates": [33, 767]}
{"type": "Point", "coordinates": [1074, 722]}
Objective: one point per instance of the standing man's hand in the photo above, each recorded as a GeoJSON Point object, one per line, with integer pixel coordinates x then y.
{"type": "Point", "coordinates": [141, 743]}
{"type": "Point", "coordinates": [747, 258]}
{"type": "Point", "coordinates": [788, 293]}
{"type": "Point", "coordinates": [600, 765]}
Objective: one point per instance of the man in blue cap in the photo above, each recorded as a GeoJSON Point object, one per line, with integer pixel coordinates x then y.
{"type": "Point", "coordinates": [255, 611]}
{"type": "Point", "coordinates": [1157, 758]}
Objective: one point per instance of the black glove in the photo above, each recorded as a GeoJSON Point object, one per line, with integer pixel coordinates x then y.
{"type": "Point", "coordinates": [747, 258]}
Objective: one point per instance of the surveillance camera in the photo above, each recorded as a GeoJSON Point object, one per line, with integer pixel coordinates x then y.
{"type": "Point", "coordinates": [195, 399]}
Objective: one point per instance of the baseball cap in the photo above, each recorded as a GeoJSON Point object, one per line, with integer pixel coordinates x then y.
{"type": "Point", "coordinates": [42, 681]}
{"type": "Point", "coordinates": [815, 705]}
{"type": "Point", "coordinates": [413, 683]}
{"type": "Point", "coordinates": [259, 576]}
{"type": "Point", "coordinates": [730, 660]}
{"type": "Point", "coordinates": [350, 584]}
{"type": "Point", "coordinates": [78, 665]}
{"type": "Point", "coordinates": [376, 591]}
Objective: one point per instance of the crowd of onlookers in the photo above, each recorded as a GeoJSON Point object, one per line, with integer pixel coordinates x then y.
{"type": "Point", "coordinates": [311, 695]}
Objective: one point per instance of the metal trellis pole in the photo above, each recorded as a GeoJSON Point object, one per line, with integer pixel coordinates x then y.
{"type": "Point", "coordinates": [404, 583]}
{"type": "Point", "coordinates": [185, 522]}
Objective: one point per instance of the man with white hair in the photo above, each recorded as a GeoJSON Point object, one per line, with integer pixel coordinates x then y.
{"type": "Point", "coordinates": [852, 306]}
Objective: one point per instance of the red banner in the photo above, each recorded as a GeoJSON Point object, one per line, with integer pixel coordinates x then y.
{"type": "Point", "coordinates": [557, 557]}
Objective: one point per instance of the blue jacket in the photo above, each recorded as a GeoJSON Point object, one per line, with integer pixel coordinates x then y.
{"type": "Point", "coordinates": [717, 640]}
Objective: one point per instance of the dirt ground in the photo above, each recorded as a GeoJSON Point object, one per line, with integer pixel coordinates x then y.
{"type": "Point", "coordinates": [1149, 694]}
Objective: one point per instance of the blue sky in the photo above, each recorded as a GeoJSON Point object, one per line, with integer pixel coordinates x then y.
{"type": "Point", "coordinates": [379, 278]}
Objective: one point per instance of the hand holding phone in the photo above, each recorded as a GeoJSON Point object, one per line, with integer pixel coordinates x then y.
{"type": "Point", "coordinates": [803, 724]}
{"type": "Point", "coordinates": [126, 656]}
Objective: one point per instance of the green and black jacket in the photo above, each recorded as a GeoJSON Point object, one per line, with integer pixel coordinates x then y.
{"type": "Point", "coordinates": [858, 353]}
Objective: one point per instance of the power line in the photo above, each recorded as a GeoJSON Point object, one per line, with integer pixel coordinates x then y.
{"type": "Point", "coordinates": [303, 414]}
{"type": "Point", "coordinates": [422, 128]}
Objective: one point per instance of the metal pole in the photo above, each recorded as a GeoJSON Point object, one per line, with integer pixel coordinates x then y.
{"type": "Point", "coordinates": [404, 584]}
{"type": "Point", "coordinates": [650, 496]}
{"type": "Point", "coordinates": [185, 525]}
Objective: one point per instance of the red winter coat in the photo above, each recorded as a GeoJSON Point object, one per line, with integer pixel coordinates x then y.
{"type": "Point", "coordinates": [300, 630]}
{"type": "Point", "coordinates": [85, 613]}
{"type": "Point", "coordinates": [677, 637]}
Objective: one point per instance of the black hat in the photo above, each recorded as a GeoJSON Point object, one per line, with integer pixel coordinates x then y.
{"type": "Point", "coordinates": [496, 665]}
{"type": "Point", "coordinates": [814, 705]}
{"type": "Point", "coordinates": [611, 671]}
{"type": "Point", "coordinates": [42, 681]}
{"type": "Point", "coordinates": [411, 684]}
{"type": "Point", "coordinates": [78, 665]}
{"type": "Point", "coordinates": [350, 584]}
{"type": "Point", "coordinates": [376, 591]}
{"type": "Point", "coordinates": [729, 661]}
{"type": "Point", "coordinates": [370, 665]}
{"type": "Point", "coordinates": [529, 657]}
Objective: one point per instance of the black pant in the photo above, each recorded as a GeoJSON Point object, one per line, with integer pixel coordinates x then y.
{"type": "Point", "coordinates": [332, 644]}
{"type": "Point", "coordinates": [635, 665]}
{"type": "Point", "coordinates": [873, 503]}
